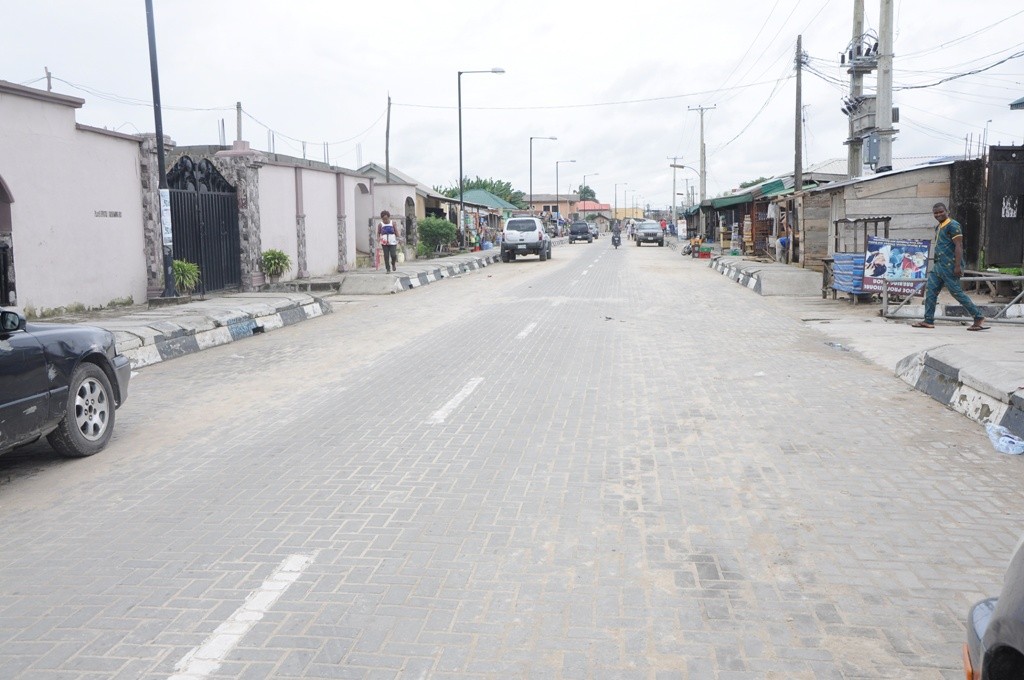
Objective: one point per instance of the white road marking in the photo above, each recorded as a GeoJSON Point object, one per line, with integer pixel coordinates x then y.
{"type": "Point", "coordinates": [526, 331]}
{"type": "Point", "coordinates": [440, 414]}
{"type": "Point", "coordinates": [205, 659]}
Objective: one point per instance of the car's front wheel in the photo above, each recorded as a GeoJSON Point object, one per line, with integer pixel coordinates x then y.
{"type": "Point", "coordinates": [88, 414]}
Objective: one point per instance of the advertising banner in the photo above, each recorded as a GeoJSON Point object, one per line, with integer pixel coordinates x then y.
{"type": "Point", "coordinates": [896, 258]}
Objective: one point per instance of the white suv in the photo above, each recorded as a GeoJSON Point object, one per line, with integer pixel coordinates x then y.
{"type": "Point", "coordinates": [525, 236]}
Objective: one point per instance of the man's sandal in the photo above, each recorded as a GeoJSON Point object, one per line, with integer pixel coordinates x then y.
{"type": "Point", "coordinates": [922, 324]}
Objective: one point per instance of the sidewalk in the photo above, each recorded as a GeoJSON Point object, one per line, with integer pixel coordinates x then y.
{"type": "Point", "coordinates": [980, 375]}
{"type": "Point", "coordinates": [149, 335]}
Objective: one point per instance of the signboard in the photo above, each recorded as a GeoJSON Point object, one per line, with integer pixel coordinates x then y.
{"type": "Point", "coordinates": [165, 216]}
{"type": "Point", "coordinates": [895, 258]}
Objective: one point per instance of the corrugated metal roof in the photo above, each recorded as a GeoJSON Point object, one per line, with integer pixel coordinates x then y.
{"type": "Point", "coordinates": [484, 197]}
{"type": "Point", "coordinates": [736, 199]}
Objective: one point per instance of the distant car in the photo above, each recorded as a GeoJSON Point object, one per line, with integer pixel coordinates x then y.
{"type": "Point", "coordinates": [525, 236]}
{"type": "Point", "coordinates": [593, 230]}
{"type": "Point", "coordinates": [995, 629]}
{"type": "Point", "coordinates": [650, 231]}
{"type": "Point", "coordinates": [62, 382]}
{"type": "Point", "coordinates": [580, 231]}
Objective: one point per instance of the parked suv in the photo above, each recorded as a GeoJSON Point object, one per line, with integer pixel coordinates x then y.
{"type": "Point", "coordinates": [525, 236]}
{"type": "Point", "coordinates": [580, 231]}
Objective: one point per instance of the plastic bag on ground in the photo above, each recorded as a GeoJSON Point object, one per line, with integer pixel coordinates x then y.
{"type": "Point", "coordinates": [1004, 440]}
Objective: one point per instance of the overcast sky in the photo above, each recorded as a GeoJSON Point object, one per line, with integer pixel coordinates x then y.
{"type": "Point", "coordinates": [614, 82]}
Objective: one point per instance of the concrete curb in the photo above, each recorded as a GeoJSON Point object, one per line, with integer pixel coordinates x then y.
{"type": "Point", "coordinates": [768, 279]}
{"type": "Point", "coordinates": [159, 341]}
{"type": "Point", "coordinates": [978, 389]}
{"type": "Point", "coordinates": [428, 277]}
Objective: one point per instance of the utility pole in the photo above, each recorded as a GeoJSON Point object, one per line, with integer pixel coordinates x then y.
{"type": "Point", "coordinates": [883, 113]}
{"type": "Point", "coordinates": [674, 159]}
{"type": "Point", "coordinates": [238, 120]}
{"type": "Point", "coordinates": [854, 143]}
{"type": "Point", "coordinates": [703, 165]}
{"type": "Point", "coordinates": [798, 136]}
{"type": "Point", "coordinates": [387, 145]}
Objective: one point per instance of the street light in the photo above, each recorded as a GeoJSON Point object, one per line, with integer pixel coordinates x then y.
{"type": "Point", "coordinates": [558, 208]}
{"type": "Point", "coordinates": [615, 214]}
{"type": "Point", "coordinates": [592, 174]}
{"type": "Point", "coordinates": [531, 168]}
{"type": "Point", "coordinates": [462, 202]}
{"type": "Point", "coordinates": [674, 166]}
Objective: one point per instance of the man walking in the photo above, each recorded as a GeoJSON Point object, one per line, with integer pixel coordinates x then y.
{"type": "Point", "coordinates": [947, 270]}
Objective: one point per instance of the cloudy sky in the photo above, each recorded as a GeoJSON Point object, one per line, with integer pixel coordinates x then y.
{"type": "Point", "coordinates": [616, 83]}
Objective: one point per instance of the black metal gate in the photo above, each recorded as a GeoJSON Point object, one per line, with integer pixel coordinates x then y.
{"type": "Point", "coordinates": [204, 223]}
{"type": "Point", "coordinates": [5, 286]}
{"type": "Point", "coordinates": [1005, 209]}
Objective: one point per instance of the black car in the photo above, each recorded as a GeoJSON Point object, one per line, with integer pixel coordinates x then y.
{"type": "Point", "coordinates": [650, 231]}
{"type": "Point", "coordinates": [580, 231]}
{"type": "Point", "coordinates": [60, 381]}
{"type": "Point", "coordinates": [995, 629]}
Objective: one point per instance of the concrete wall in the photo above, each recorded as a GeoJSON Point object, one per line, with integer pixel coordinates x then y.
{"type": "Point", "coordinates": [321, 205]}
{"type": "Point", "coordinates": [76, 219]}
{"type": "Point", "coordinates": [277, 213]}
{"type": "Point", "coordinates": [363, 211]}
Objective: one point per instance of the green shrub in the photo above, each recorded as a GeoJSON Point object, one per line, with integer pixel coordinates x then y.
{"type": "Point", "coordinates": [275, 262]}
{"type": "Point", "coordinates": [435, 231]}
{"type": "Point", "coordinates": [186, 276]}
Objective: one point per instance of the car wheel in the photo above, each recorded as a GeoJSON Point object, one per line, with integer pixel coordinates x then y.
{"type": "Point", "coordinates": [638, 243]}
{"type": "Point", "coordinates": [661, 244]}
{"type": "Point", "coordinates": [542, 253]}
{"type": "Point", "coordinates": [88, 414]}
{"type": "Point", "coordinates": [504, 256]}
{"type": "Point", "coordinates": [549, 251]}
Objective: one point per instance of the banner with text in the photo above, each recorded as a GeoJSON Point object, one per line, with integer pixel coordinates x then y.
{"type": "Point", "coordinates": [896, 258]}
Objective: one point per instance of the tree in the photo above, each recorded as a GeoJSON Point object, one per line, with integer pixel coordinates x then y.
{"type": "Point", "coordinates": [753, 182]}
{"type": "Point", "coordinates": [586, 193]}
{"type": "Point", "coordinates": [499, 188]}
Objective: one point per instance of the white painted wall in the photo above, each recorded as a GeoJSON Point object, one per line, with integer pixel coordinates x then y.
{"type": "Point", "coordinates": [363, 211]}
{"type": "Point", "coordinates": [320, 199]}
{"type": "Point", "coordinates": [77, 212]}
{"type": "Point", "coordinates": [277, 213]}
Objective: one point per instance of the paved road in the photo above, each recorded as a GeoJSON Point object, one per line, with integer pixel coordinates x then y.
{"type": "Point", "coordinates": [615, 464]}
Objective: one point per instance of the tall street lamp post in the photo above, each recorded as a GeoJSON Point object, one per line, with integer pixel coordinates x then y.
{"type": "Point", "coordinates": [615, 214]}
{"type": "Point", "coordinates": [592, 174]}
{"type": "Point", "coordinates": [531, 168]}
{"type": "Point", "coordinates": [462, 202]}
{"type": "Point", "coordinates": [558, 207]}
{"type": "Point", "coordinates": [674, 167]}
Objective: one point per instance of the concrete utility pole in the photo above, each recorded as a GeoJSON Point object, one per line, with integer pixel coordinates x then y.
{"type": "Point", "coordinates": [674, 159]}
{"type": "Point", "coordinates": [855, 144]}
{"type": "Point", "coordinates": [798, 135]}
{"type": "Point", "coordinates": [883, 112]}
{"type": "Point", "coordinates": [703, 165]}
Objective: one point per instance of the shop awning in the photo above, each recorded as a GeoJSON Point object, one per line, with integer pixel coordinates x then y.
{"type": "Point", "coordinates": [726, 201]}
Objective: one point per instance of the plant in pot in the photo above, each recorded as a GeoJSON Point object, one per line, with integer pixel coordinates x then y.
{"type": "Point", "coordinates": [274, 262]}
{"type": "Point", "coordinates": [186, 276]}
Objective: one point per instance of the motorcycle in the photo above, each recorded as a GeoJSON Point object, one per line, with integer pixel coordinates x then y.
{"type": "Point", "coordinates": [616, 240]}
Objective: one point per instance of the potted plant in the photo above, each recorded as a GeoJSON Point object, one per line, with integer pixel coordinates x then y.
{"type": "Point", "coordinates": [186, 276]}
{"type": "Point", "coordinates": [274, 262]}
